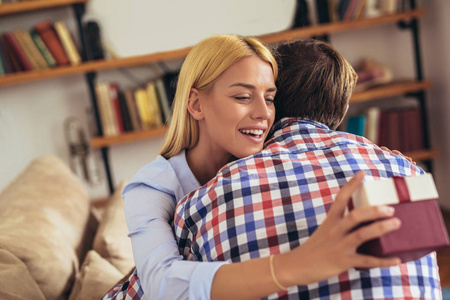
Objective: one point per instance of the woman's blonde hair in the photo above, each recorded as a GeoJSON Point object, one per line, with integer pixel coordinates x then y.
{"type": "Point", "coordinates": [203, 65]}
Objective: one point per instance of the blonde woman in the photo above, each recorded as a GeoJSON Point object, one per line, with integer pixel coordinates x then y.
{"type": "Point", "coordinates": [223, 110]}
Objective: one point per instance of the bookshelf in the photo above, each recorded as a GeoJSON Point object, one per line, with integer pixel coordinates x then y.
{"type": "Point", "coordinates": [414, 87]}
{"type": "Point", "coordinates": [287, 35]}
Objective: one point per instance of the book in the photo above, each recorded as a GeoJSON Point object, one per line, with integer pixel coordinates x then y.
{"type": "Point", "coordinates": [5, 56]}
{"type": "Point", "coordinates": [170, 83]}
{"type": "Point", "coordinates": [94, 48]}
{"type": "Point", "coordinates": [301, 17]}
{"type": "Point", "coordinates": [51, 62]}
{"type": "Point", "coordinates": [48, 34]}
{"type": "Point", "coordinates": [11, 56]}
{"type": "Point", "coordinates": [372, 124]}
{"type": "Point", "coordinates": [18, 51]}
{"type": "Point", "coordinates": [163, 100]}
{"type": "Point", "coordinates": [2, 62]}
{"type": "Point", "coordinates": [33, 50]}
{"type": "Point", "coordinates": [124, 112]}
{"type": "Point", "coordinates": [411, 130]}
{"type": "Point", "coordinates": [356, 125]}
{"type": "Point", "coordinates": [17, 34]}
{"type": "Point", "coordinates": [323, 14]}
{"type": "Point", "coordinates": [144, 110]}
{"type": "Point", "coordinates": [132, 109]}
{"type": "Point", "coordinates": [114, 98]}
{"type": "Point", "coordinates": [105, 109]}
{"type": "Point", "coordinates": [155, 110]}
{"type": "Point", "coordinates": [67, 42]}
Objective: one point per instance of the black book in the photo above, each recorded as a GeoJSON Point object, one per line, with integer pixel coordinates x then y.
{"type": "Point", "coordinates": [301, 14]}
{"type": "Point", "coordinates": [323, 12]}
{"type": "Point", "coordinates": [94, 48]}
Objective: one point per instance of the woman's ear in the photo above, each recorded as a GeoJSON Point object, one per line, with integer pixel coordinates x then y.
{"type": "Point", "coordinates": [194, 107]}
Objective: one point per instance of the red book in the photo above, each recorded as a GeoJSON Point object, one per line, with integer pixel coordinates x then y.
{"type": "Point", "coordinates": [114, 96]}
{"type": "Point", "coordinates": [20, 53]}
{"type": "Point", "coordinates": [7, 60]}
{"type": "Point", "coordinates": [48, 35]}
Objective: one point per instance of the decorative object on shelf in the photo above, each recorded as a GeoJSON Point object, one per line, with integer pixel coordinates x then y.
{"type": "Point", "coordinates": [82, 160]}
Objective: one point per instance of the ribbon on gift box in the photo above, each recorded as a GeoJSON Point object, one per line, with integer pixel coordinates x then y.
{"type": "Point", "coordinates": [394, 190]}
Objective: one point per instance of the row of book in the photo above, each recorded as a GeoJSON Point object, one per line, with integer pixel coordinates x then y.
{"type": "Point", "coordinates": [46, 45]}
{"type": "Point", "coordinates": [136, 109]}
{"type": "Point", "coordinates": [400, 129]}
{"type": "Point", "coordinates": [312, 12]}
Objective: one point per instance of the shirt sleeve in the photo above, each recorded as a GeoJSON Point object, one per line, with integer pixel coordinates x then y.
{"type": "Point", "coordinates": [162, 271]}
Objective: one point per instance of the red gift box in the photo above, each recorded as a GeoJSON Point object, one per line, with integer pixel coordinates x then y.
{"type": "Point", "coordinates": [415, 201]}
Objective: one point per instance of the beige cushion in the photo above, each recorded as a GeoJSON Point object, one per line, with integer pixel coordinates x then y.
{"type": "Point", "coordinates": [97, 276]}
{"type": "Point", "coordinates": [16, 282]}
{"type": "Point", "coordinates": [43, 219]}
{"type": "Point", "coordinates": [111, 240]}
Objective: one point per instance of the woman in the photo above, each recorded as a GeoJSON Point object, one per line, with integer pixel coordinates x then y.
{"type": "Point", "coordinates": [223, 110]}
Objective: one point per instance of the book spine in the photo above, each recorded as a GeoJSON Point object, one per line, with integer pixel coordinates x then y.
{"type": "Point", "coordinates": [163, 100]}
{"type": "Point", "coordinates": [9, 68]}
{"type": "Point", "coordinates": [2, 60]}
{"type": "Point", "coordinates": [67, 42]}
{"type": "Point", "coordinates": [114, 98]}
{"type": "Point", "coordinates": [51, 62]}
{"type": "Point", "coordinates": [51, 40]}
{"type": "Point", "coordinates": [124, 112]}
{"type": "Point", "coordinates": [33, 49]}
{"type": "Point", "coordinates": [19, 37]}
{"type": "Point", "coordinates": [142, 103]}
{"type": "Point", "coordinates": [15, 46]}
{"type": "Point", "coordinates": [133, 110]}
{"type": "Point", "coordinates": [155, 110]}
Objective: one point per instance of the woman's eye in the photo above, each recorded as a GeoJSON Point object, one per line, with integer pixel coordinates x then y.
{"type": "Point", "coordinates": [270, 100]}
{"type": "Point", "coordinates": [244, 98]}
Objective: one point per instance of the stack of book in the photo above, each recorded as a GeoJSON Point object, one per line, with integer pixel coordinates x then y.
{"type": "Point", "coordinates": [371, 74]}
{"type": "Point", "coordinates": [400, 129]}
{"type": "Point", "coordinates": [128, 110]}
{"type": "Point", "coordinates": [349, 10]}
{"type": "Point", "coordinates": [46, 45]}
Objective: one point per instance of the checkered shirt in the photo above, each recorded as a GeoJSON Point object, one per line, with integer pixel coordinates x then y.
{"type": "Point", "coordinates": [271, 202]}
{"type": "Point", "coordinates": [129, 290]}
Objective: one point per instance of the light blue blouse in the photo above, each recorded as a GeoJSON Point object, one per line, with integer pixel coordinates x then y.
{"type": "Point", "coordinates": [150, 199]}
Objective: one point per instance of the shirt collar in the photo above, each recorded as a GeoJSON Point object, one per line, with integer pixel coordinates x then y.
{"type": "Point", "coordinates": [285, 122]}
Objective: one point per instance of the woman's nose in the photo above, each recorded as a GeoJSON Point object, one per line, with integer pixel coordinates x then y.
{"type": "Point", "coordinates": [260, 109]}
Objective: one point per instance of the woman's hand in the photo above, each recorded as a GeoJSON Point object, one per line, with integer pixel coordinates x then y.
{"type": "Point", "coordinates": [331, 249]}
{"type": "Point", "coordinates": [398, 153]}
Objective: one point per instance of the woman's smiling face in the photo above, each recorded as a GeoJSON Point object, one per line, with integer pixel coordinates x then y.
{"type": "Point", "coordinates": [239, 111]}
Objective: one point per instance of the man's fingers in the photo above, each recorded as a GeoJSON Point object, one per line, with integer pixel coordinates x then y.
{"type": "Point", "coordinates": [345, 193]}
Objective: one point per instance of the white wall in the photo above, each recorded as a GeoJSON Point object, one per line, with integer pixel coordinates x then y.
{"type": "Point", "coordinates": [32, 114]}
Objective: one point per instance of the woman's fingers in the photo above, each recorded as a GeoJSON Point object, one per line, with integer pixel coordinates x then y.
{"type": "Point", "coordinates": [368, 262]}
{"type": "Point", "coordinates": [365, 214]}
{"type": "Point", "coordinates": [344, 194]}
{"type": "Point", "coordinates": [372, 231]}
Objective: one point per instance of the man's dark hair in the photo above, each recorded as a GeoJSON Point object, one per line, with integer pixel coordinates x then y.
{"type": "Point", "coordinates": [314, 82]}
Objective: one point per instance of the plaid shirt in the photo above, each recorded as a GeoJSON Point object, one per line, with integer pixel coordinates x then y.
{"type": "Point", "coordinates": [271, 202]}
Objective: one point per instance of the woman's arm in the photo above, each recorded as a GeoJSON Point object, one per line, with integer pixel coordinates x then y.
{"type": "Point", "coordinates": [163, 273]}
{"type": "Point", "coordinates": [328, 252]}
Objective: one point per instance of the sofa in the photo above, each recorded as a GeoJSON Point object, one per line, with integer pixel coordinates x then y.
{"type": "Point", "coordinates": [54, 243]}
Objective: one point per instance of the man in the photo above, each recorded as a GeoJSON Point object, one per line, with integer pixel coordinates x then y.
{"type": "Point", "coordinates": [273, 201]}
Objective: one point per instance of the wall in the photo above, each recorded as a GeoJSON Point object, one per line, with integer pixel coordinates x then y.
{"type": "Point", "coordinates": [32, 114]}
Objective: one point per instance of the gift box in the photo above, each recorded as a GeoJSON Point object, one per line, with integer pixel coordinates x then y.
{"type": "Point", "coordinates": [415, 201]}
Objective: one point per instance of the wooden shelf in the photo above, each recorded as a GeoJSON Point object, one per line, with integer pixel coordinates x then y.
{"type": "Point", "coordinates": [23, 6]}
{"type": "Point", "coordinates": [423, 155]}
{"type": "Point", "coordinates": [288, 35]}
{"type": "Point", "coordinates": [100, 142]}
{"type": "Point", "coordinates": [390, 90]}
